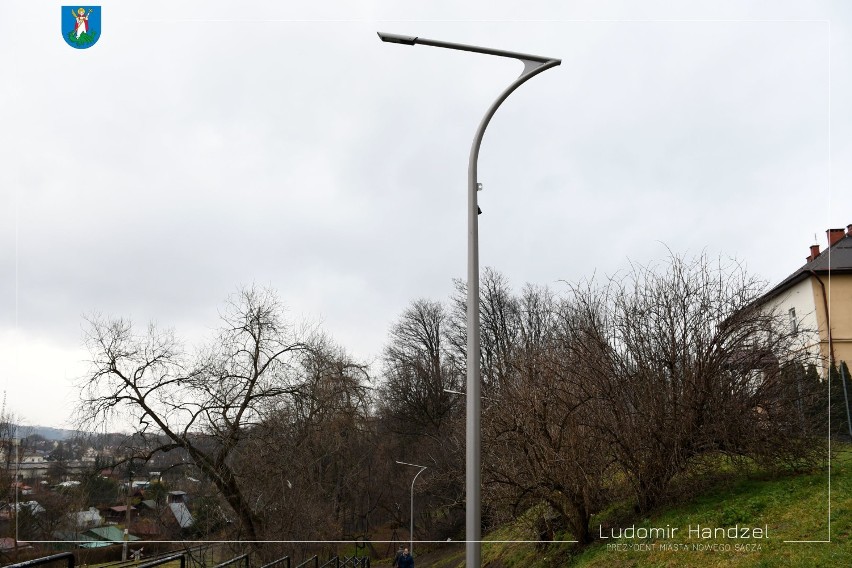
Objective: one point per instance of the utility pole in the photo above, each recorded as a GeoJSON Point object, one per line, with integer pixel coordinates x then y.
{"type": "Point", "coordinates": [127, 512]}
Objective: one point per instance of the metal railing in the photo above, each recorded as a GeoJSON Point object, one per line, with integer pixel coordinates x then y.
{"type": "Point", "coordinates": [174, 557]}
{"type": "Point", "coordinates": [336, 562]}
{"type": "Point", "coordinates": [285, 562]}
{"type": "Point", "coordinates": [314, 559]}
{"type": "Point", "coordinates": [67, 556]}
{"type": "Point", "coordinates": [281, 561]}
{"type": "Point", "coordinates": [346, 562]}
{"type": "Point", "coordinates": [189, 552]}
{"type": "Point", "coordinates": [233, 561]}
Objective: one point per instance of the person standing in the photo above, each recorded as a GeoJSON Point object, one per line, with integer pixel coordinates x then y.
{"type": "Point", "coordinates": [406, 560]}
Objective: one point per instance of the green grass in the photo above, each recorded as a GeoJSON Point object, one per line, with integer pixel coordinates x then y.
{"type": "Point", "coordinates": [794, 506]}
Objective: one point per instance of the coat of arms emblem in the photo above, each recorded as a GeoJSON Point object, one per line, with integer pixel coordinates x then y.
{"type": "Point", "coordinates": [81, 25]}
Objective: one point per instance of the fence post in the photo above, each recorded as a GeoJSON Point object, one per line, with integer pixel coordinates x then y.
{"type": "Point", "coordinates": [69, 556]}
{"type": "Point", "coordinates": [845, 395]}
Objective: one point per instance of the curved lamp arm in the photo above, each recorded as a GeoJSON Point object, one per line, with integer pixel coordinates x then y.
{"type": "Point", "coordinates": [531, 69]}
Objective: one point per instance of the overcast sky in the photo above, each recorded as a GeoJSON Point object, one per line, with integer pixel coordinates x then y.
{"type": "Point", "coordinates": [199, 146]}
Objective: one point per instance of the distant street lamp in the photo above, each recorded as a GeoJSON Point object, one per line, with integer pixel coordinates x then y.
{"type": "Point", "coordinates": [533, 65]}
{"type": "Point", "coordinates": [411, 530]}
{"type": "Point", "coordinates": [460, 393]}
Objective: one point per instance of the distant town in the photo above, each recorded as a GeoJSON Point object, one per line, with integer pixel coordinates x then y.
{"type": "Point", "coordinates": [84, 489]}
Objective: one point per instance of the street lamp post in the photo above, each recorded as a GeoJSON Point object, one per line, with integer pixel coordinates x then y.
{"type": "Point", "coordinates": [411, 530]}
{"type": "Point", "coordinates": [533, 65]}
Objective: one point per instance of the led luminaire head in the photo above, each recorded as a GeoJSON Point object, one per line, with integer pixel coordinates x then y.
{"type": "Point", "coordinates": [396, 38]}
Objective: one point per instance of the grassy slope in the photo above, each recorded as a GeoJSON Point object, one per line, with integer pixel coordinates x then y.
{"type": "Point", "coordinates": [795, 507]}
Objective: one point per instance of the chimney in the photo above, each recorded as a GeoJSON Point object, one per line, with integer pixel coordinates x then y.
{"type": "Point", "coordinates": [834, 235]}
{"type": "Point", "coordinates": [814, 252]}
{"type": "Point", "coordinates": [848, 230]}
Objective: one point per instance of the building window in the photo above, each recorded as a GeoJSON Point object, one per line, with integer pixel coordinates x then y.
{"type": "Point", "coordinates": [794, 324]}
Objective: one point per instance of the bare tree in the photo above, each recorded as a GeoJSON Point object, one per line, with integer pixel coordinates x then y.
{"type": "Point", "coordinates": [419, 371]}
{"type": "Point", "coordinates": [541, 442]}
{"type": "Point", "coordinates": [203, 403]}
{"type": "Point", "coordinates": [635, 380]}
{"type": "Point", "coordinates": [306, 460]}
{"type": "Point", "coordinates": [420, 407]}
{"type": "Point", "coordinates": [500, 327]}
{"type": "Point", "coordinates": [9, 448]}
{"type": "Point", "coordinates": [687, 364]}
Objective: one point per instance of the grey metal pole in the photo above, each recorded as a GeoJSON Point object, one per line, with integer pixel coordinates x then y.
{"type": "Point", "coordinates": [533, 65]}
{"type": "Point", "coordinates": [411, 530]}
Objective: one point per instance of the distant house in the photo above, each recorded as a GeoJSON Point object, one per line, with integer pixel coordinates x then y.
{"type": "Point", "coordinates": [31, 470]}
{"type": "Point", "coordinates": [34, 507]}
{"type": "Point", "coordinates": [33, 459]}
{"type": "Point", "coordinates": [164, 520]}
{"type": "Point", "coordinates": [36, 469]}
{"type": "Point", "coordinates": [147, 505]}
{"type": "Point", "coordinates": [117, 512]}
{"type": "Point", "coordinates": [817, 299]}
{"type": "Point", "coordinates": [104, 536]}
{"type": "Point", "coordinates": [178, 508]}
{"type": "Point", "coordinates": [7, 511]}
{"type": "Point", "coordinates": [82, 520]}
{"type": "Point", "coordinates": [90, 455]}
{"type": "Point", "coordinates": [182, 515]}
{"type": "Point", "coordinates": [177, 497]}
{"type": "Point", "coordinates": [23, 488]}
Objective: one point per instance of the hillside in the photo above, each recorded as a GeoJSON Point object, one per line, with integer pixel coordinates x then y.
{"type": "Point", "coordinates": [767, 510]}
{"type": "Point", "coordinates": [49, 433]}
